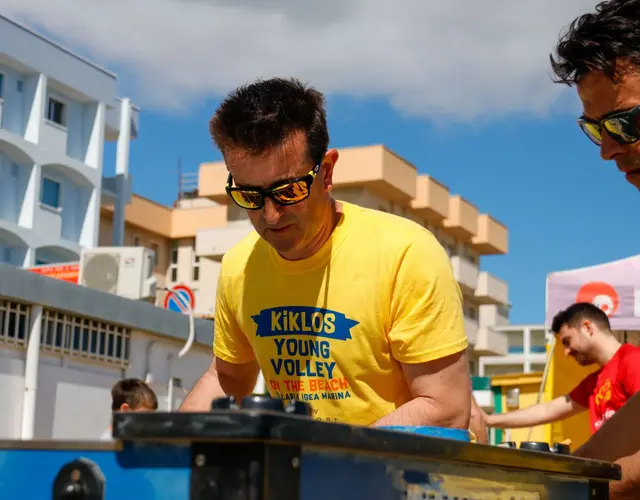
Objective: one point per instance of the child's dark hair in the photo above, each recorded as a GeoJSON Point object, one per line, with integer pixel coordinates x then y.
{"type": "Point", "coordinates": [133, 392]}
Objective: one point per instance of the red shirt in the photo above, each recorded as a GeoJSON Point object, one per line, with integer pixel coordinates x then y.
{"type": "Point", "coordinates": [606, 390]}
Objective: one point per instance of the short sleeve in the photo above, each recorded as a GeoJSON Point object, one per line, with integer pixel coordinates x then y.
{"type": "Point", "coordinates": [631, 370]}
{"type": "Point", "coordinates": [426, 305]}
{"type": "Point", "coordinates": [229, 342]}
{"type": "Point", "coordinates": [583, 391]}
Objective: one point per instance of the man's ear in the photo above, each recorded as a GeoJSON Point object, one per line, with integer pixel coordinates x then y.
{"type": "Point", "coordinates": [328, 164]}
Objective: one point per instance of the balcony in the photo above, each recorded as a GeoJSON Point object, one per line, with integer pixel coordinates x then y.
{"type": "Point", "coordinates": [212, 180]}
{"type": "Point", "coordinates": [466, 274]}
{"type": "Point", "coordinates": [379, 170]}
{"type": "Point", "coordinates": [493, 315]}
{"type": "Point", "coordinates": [53, 138]}
{"type": "Point", "coordinates": [471, 329]}
{"type": "Point", "coordinates": [214, 243]}
{"type": "Point", "coordinates": [462, 220]}
{"type": "Point", "coordinates": [432, 200]}
{"type": "Point", "coordinates": [48, 222]}
{"type": "Point", "coordinates": [187, 222]}
{"type": "Point", "coordinates": [490, 342]}
{"type": "Point", "coordinates": [491, 290]}
{"type": "Point", "coordinates": [491, 238]}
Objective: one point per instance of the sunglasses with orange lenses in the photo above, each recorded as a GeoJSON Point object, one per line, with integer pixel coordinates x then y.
{"type": "Point", "coordinates": [622, 126]}
{"type": "Point", "coordinates": [286, 194]}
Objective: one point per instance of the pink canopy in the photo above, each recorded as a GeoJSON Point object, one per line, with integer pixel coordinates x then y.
{"type": "Point", "coordinates": [613, 286]}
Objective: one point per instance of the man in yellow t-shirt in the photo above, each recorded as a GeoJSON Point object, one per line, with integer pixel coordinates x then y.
{"type": "Point", "coordinates": [352, 310]}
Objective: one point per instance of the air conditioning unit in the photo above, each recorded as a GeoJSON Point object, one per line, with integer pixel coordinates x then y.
{"type": "Point", "coordinates": [123, 271]}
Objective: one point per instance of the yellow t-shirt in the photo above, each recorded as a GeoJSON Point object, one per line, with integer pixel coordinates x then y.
{"type": "Point", "coordinates": [333, 329]}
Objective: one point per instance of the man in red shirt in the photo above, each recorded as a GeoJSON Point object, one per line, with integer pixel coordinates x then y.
{"type": "Point", "coordinates": [585, 332]}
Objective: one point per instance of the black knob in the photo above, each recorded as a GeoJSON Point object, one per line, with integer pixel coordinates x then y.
{"type": "Point", "coordinates": [295, 407]}
{"type": "Point", "coordinates": [227, 403]}
{"type": "Point", "coordinates": [262, 402]}
{"type": "Point", "coordinates": [81, 479]}
{"type": "Point", "coordinates": [535, 446]}
{"type": "Point", "coordinates": [561, 449]}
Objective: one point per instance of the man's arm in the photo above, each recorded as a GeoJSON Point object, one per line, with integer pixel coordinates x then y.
{"type": "Point", "coordinates": [234, 369]}
{"type": "Point", "coordinates": [441, 391]}
{"type": "Point", "coordinates": [629, 487]}
{"type": "Point", "coordinates": [221, 379]}
{"type": "Point", "coordinates": [427, 337]}
{"type": "Point", "coordinates": [542, 413]}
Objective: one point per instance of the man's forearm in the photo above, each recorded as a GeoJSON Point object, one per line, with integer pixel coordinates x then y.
{"type": "Point", "coordinates": [203, 393]}
{"type": "Point", "coordinates": [534, 415]}
{"type": "Point", "coordinates": [422, 411]}
{"type": "Point", "coordinates": [629, 487]}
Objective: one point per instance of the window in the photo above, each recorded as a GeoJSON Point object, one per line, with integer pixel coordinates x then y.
{"type": "Point", "coordinates": [56, 112]}
{"type": "Point", "coordinates": [195, 264]}
{"type": "Point", "coordinates": [50, 194]}
{"type": "Point", "coordinates": [504, 311]}
{"type": "Point", "coordinates": [173, 265]}
{"type": "Point", "coordinates": [76, 336]}
{"type": "Point", "coordinates": [14, 323]}
{"type": "Point", "coordinates": [155, 248]}
{"type": "Point", "coordinates": [470, 311]}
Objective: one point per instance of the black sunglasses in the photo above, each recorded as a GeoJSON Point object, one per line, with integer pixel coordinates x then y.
{"type": "Point", "coordinates": [622, 126]}
{"type": "Point", "coordinates": [286, 194]}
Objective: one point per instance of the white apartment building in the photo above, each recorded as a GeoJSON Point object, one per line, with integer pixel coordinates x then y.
{"type": "Point", "coordinates": [526, 351]}
{"type": "Point", "coordinates": [57, 109]}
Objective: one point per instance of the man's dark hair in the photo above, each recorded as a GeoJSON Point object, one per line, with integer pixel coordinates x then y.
{"type": "Point", "coordinates": [135, 393]}
{"type": "Point", "coordinates": [260, 116]}
{"type": "Point", "coordinates": [575, 314]}
{"type": "Point", "coordinates": [599, 42]}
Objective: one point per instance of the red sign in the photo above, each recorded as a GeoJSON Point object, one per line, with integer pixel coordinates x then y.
{"type": "Point", "coordinates": [600, 294]}
{"type": "Point", "coordinates": [65, 272]}
{"type": "Point", "coordinates": [180, 299]}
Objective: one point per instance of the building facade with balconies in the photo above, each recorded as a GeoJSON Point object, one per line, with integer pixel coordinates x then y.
{"type": "Point", "coordinates": [373, 177]}
{"type": "Point", "coordinates": [526, 350]}
{"type": "Point", "coordinates": [57, 109]}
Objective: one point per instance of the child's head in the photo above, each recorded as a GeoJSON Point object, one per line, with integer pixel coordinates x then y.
{"type": "Point", "coordinates": [132, 394]}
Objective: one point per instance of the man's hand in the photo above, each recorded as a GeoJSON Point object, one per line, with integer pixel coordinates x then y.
{"type": "Point", "coordinates": [478, 423]}
{"type": "Point", "coordinates": [629, 487]}
{"type": "Point", "coordinates": [221, 378]}
{"type": "Point", "coordinates": [441, 391]}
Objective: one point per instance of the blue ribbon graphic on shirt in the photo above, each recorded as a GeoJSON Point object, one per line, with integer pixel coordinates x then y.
{"type": "Point", "coordinates": [303, 320]}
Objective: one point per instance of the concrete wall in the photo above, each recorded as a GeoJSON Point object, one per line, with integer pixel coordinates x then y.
{"type": "Point", "coordinates": [74, 397]}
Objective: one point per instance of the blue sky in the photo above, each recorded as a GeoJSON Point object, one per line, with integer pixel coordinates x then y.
{"type": "Point", "coordinates": [460, 89]}
{"type": "Point", "coordinates": [564, 207]}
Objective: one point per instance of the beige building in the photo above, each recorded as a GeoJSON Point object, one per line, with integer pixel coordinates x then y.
{"type": "Point", "coordinates": [191, 238]}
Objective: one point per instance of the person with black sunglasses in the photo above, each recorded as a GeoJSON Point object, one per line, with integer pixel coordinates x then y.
{"type": "Point", "coordinates": [352, 310]}
{"type": "Point", "coordinates": [600, 55]}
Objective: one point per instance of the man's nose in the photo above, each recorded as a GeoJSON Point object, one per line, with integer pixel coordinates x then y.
{"type": "Point", "coordinates": [272, 212]}
{"type": "Point", "coordinates": [609, 148]}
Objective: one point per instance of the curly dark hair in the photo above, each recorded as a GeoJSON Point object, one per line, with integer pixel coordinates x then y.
{"type": "Point", "coordinates": [261, 115]}
{"type": "Point", "coordinates": [599, 42]}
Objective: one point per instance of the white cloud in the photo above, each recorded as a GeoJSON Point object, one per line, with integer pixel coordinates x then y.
{"type": "Point", "coordinates": [454, 59]}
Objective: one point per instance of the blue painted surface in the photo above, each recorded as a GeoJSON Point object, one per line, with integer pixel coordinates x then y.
{"type": "Point", "coordinates": [439, 432]}
{"type": "Point", "coordinates": [139, 472]}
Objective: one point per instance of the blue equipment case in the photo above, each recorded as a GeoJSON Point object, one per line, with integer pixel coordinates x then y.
{"type": "Point", "coordinates": [263, 450]}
